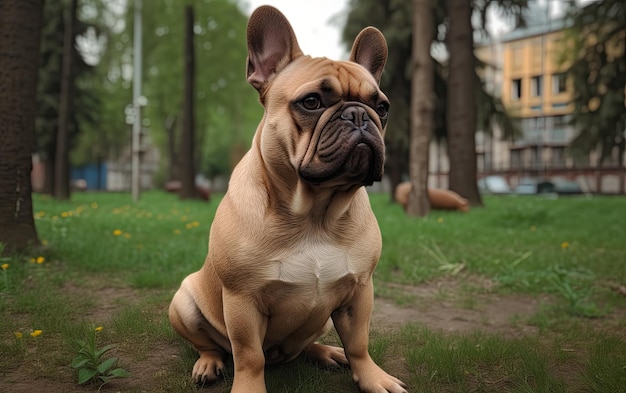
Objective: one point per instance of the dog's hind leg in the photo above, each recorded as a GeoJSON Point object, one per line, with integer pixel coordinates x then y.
{"type": "Point", "coordinates": [188, 322]}
{"type": "Point", "coordinates": [326, 355]}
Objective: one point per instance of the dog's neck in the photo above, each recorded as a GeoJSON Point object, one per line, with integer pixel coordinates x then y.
{"type": "Point", "coordinates": [292, 196]}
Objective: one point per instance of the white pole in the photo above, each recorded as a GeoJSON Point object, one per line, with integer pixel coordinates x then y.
{"type": "Point", "coordinates": [136, 140]}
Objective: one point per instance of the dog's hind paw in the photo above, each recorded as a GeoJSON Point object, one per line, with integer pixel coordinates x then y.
{"type": "Point", "coordinates": [326, 355]}
{"type": "Point", "coordinates": [207, 368]}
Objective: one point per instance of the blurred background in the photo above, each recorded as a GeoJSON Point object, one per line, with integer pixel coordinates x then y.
{"type": "Point", "coordinates": [545, 112]}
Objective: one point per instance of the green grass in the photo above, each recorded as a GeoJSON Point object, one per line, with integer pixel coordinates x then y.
{"type": "Point", "coordinates": [111, 263]}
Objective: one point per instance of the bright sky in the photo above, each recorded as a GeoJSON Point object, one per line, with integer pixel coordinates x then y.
{"type": "Point", "coordinates": [313, 23]}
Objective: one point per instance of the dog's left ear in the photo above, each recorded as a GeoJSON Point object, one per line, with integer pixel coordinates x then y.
{"type": "Point", "coordinates": [370, 51]}
{"type": "Point", "coordinates": [272, 45]}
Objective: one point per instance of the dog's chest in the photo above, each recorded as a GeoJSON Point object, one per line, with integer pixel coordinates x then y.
{"type": "Point", "coordinates": [314, 265]}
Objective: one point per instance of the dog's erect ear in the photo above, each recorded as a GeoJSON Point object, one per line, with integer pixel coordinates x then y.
{"type": "Point", "coordinates": [272, 45]}
{"type": "Point", "coordinates": [370, 51]}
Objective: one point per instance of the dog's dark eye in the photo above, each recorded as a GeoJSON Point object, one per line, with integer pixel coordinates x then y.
{"type": "Point", "coordinates": [311, 102]}
{"type": "Point", "coordinates": [382, 110]}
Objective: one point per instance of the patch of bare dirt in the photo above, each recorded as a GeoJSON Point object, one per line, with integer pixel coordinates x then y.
{"type": "Point", "coordinates": [443, 305]}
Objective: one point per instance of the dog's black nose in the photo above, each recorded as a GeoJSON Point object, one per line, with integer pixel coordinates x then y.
{"type": "Point", "coordinates": [356, 115]}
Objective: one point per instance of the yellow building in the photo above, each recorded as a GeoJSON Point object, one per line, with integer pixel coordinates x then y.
{"type": "Point", "coordinates": [534, 90]}
{"type": "Point", "coordinates": [529, 77]}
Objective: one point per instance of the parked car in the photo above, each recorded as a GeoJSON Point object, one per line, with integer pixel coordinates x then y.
{"type": "Point", "coordinates": [554, 185]}
{"type": "Point", "coordinates": [494, 185]}
{"type": "Point", "coordinates": [565, 186]}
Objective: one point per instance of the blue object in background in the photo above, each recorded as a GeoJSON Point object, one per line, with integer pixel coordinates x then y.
{"type": "Point", "coordinates": [94, 174]}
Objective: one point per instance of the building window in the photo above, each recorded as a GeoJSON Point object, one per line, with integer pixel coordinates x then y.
{"type": "Point", "coordinates": [516, 159]}
{"type": "Point", "coordinates": [560, 127]}
{"type": "Point", "coordinates": [535, 157]}
{"type": "Point", "coordinates": [558, 157]}
{"type": "Point", "coordinates": [536, 84]}
{"type": "Point", "coordinates": [559, 83]}
{"type": "Point", "coordinates": [516, 89]}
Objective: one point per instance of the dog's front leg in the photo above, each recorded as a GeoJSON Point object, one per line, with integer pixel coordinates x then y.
{"type": "Point", "coordinates": [352, 325]}
{"type": "Point", "coordinates": [246, 327]}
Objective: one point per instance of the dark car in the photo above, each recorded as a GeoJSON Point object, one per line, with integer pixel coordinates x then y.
{"type": "Point", "coordinates": [554, 185]}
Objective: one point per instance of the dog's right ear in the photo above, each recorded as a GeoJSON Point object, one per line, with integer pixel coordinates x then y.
{"type": "Point", "coordinates": [272, 45]}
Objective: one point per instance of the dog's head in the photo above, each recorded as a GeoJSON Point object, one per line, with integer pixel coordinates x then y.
{"type": "Point", "coordinates": [324, 120]}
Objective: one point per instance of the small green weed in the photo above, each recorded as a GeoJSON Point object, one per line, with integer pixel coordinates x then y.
{"type": "Point", "coordinates": [578, 298]}
{"type": "Point", "coordinates": [92, 366]}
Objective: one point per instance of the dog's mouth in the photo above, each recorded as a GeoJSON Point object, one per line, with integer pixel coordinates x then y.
{"type": "Point", "coordinates": [349, 149]}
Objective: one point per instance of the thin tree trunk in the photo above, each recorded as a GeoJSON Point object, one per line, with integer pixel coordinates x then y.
{"type": "Point", "coordinates": [20, 29]}
{"type": "Point", "coordinates": [188, 189]}
{"type": "Point", "coordinates": [422, 107]}
{"type": "Point", "coordinates": [395, 164]}
{"type": "Point", "coordinates": [62, 166]}
{"type": "Point", "coordinates": [170, 127]}
{"type": "Point", "coordinates": [461, 106]}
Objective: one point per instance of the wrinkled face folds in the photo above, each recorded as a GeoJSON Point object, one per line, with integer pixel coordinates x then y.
{"type": "Point", "coordinates": [334, 135]}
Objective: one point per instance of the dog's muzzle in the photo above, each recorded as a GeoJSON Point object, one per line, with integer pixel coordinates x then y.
{"type": "Point", "coordinates": [350, 149]}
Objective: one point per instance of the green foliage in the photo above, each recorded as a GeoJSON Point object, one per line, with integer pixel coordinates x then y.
{"type": "Point", "coordinates": [91, 363]}
{"type": "Point", "coordinates": [597, 71]}
{"type": "Point", "coordinates": [86, 101]}
{"type": "Point", "coordinates": [226, 107]}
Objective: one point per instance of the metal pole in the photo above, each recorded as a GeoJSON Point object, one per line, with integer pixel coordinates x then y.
{"type": "Point", "coordinates": [136, 140]}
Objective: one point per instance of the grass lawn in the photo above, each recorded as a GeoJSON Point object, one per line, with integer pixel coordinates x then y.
{"type": "Point", "coordinates": [527, 294]}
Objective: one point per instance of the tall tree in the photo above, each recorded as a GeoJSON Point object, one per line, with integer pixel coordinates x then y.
{"type": "Point", "coordinates": [188, 189]}
{"type": "Point", "coordinates": [61, 164]}
{"type": "Point", "coordinates": [422, 107]}
{"type": "Point", "coordinates": [87, 97]}
{"type": "Point", "coordinates": [20, 29]}
{"type": "Point", "coordinates": [461, 108]}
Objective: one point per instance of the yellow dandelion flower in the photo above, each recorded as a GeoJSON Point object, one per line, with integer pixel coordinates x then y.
{"type": "Point", "coordinates": [126, 235]}
{"type": "Point", "coordinates": [564, 245]}
{"type": "Point", "coordinates": [117, 232]}
{"type": "Point", "coordinates": [188, 225]}
{"type": "Point", "coordinates": [440, 220]}
{"type": "Point", "coordinates": [99, 328]}
{"type": "Point", "coordinates": [17, 335]}
{"type": "Point", "coordinates": [184, 218]}
{"type": "Point", "coordinates": [64, 214]}
{"type": "Point", "coordinates": [176, 231]}
{"type": "Point", "coordinates": [36, 333]}
{"type": "Point", "coordinates": [533, 228]}
{"type": "Point", "coordinates": [94, 205]}
{"type": "Point", "coordinates": [5, 266]}
{"type": "Point", "coordinates": [44, 242]}
{"type": "Point", "coordinates": [195, 224]}
{"type": "Point", "coordinates": [40, 260]}
{"type": "Point", "coordinates": [40, 213]}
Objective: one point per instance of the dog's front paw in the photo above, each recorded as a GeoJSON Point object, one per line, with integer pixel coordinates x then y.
{"type": "Point", "coordinates": [327, 355]}
{"type": "Point", "coordinates": [207, 368]}
{"type": "Point", "coordinates": [373, 379]}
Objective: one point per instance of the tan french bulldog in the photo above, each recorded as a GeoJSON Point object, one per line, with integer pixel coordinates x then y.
{"type": "Point", "coordinates": [294, 242]}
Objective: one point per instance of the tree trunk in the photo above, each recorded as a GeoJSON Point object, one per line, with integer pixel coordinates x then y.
{"type": "Point", "coordinates": [20, 29]}
{"type": "Point", "coordinates": [170, 127]}
{"type": "Point", "coordinates": [395, 164]}
{"type": "Point", "coordinates": [187, 173]}
{"type": "Point", "coordinates": [461, 106]}
{"type": "Point", "coordinates": [61, 163]}
{"type": "Point", "coordinates": [422, 107]}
